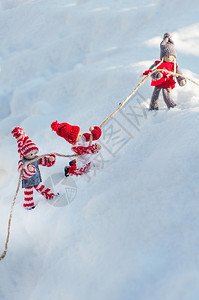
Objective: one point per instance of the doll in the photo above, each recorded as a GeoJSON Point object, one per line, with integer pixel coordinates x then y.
{"type": "Point", "coordinates": [31, 177]}
{"type": "Point", "coordinates": [162, 80]}
{"type": "Point", "coordinates": [72, 134]}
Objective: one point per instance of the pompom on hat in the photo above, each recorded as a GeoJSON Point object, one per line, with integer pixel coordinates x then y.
{"type": "Point", "coordinates": [167, 46]}
{"type": "Point", "coordinates": [67, 131]}
{"type": "Point", "coordinates": [25, 145]}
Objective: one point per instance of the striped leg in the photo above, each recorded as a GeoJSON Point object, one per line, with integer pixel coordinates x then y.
{"type": "Point", "coordinates": [28, 198]}
{"type": "Point", "coordinates": [46, 192]}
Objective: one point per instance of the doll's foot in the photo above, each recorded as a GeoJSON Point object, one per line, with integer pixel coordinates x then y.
{"type": "Point", "coordinates": [30, 208]}
{"type": "Point", "coordinates": [66, 171]}
{"type": "Point", "coordinates": [153, 108]}
{"type": "Point", "coordinates": [56, 196]}
{"type": "Point", "coordinates": [71, 163]}
{"type": "Point", "coordinates": [173, 105]}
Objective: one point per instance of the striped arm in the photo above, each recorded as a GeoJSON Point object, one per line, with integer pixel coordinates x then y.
{"type": "Point", "coordinates": [26, 173]}
{"type": "Point", "coordinates": [45, 161]}
{"type": "Point", "coordinates": [85, 150]}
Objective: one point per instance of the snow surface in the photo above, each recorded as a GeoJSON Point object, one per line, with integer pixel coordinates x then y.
{"type": "Point", "coordinates": [132, 230]}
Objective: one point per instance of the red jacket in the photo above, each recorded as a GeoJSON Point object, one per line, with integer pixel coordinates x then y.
{"type": "Point", "coordinates": [167, 80]}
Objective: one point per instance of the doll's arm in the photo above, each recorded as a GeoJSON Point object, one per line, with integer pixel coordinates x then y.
{"type": "Point", "coordinates": [180, 79]}
{"type": "Point", "coordinates": [28, 171]}
{"type": "Point", "coordinates": [86, 150]}
{"type": "Point", "coordinates": [47, 161]}
{"type": "Point", "coordinates": [156, 75]}
{"type": "Point", "coordinates": [96, 133]}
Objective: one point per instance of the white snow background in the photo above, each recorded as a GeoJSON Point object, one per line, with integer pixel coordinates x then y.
{"type": "Point", "coordinates": [132, 231]}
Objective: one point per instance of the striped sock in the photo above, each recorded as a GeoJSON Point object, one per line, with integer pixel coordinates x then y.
{"type": "Point", "coordinates": [28, 198]}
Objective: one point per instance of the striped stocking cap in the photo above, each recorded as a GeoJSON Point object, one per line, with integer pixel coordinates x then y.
{"type": "Point", "coordinates": [25, 145]}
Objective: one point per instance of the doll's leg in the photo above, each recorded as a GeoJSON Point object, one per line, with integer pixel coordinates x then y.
{"type": "Point", "coordinates": [167, 98]}
{"type": "Point", "coordinates": [28, 198]}
{"type": "Point", "coordinates": [73, 170]}
{"type": "Point", "coordinates": [154, 98]}
{"type": "Point", "coordinates": [46, 192]}
{"type": "Point", "coordinates": [72, 163]}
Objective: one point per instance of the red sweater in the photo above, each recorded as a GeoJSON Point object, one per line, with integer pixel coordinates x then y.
{"type": "Point", "coordinates": [167, 80]}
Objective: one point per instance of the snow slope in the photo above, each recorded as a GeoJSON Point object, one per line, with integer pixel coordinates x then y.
{"type": "Point", "coordinates": [132, 230]}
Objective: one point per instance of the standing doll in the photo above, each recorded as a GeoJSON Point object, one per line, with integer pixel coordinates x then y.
{"type": "Point", "coordinates": [72, 134]}
{"type": "Point", "coordinates": [162, 80]}
{"type": "Point", "coordinates": [31, 177]}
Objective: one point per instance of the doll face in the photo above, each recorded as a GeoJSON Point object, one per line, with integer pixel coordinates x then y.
{"type": "Point", "coordinates": [79, 136]}
{"type": "Point", "coordinates": [31, 155]}
{"type": "Point", "coordinates": [170, 58]}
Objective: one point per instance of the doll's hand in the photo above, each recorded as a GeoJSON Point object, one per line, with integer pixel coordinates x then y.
{"type": "Point", "coordinates": [99, 147]}
{"type": "Point", "coordinates": [182, 82]}
{"type": "Point", "coordinates": [51, 158]}
{"type": "Point", "coordinates": [91, 128]}
{"type": "Point", "coordinates": [31, 168]}
{"type": "Point", "coordinates": [159, 75]}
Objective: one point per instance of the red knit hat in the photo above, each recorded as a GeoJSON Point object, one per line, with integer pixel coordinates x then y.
{"type": "Point", "coordinates": [25, 145]}
{"type": "Point", "coordinates": [67, 131]}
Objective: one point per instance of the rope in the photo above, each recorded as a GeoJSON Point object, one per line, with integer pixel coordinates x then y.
{"type": "Point", "coordinates": [91, 140]}
{"type": "Point", "coordinates": [10, 218]}
{"type": "Point", "coordinates": [179, 75]}
{"type": "Point", "coordinates": [128, 98]}
{"type": "Point", "coordinates": [155, 67]}
{"type": "Point", "coordinates": [139, 85]}
{"type": "Point", "coordinates": [73, 155]}
{"type": "Point", "coordinates": [175, 66]}
{"type": "Point", "coordinates": [16, 193]}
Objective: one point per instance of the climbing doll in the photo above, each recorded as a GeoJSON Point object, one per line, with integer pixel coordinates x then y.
{"type": "Point", "coordinates": [31, 177]}
{"type": "Point", "coordinates": [163, 80]}
{"type": "Point", "coordinates": [72, 134]}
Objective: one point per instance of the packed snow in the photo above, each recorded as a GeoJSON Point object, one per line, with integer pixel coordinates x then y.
{"type": "Point", "coordinates": [131, 228]}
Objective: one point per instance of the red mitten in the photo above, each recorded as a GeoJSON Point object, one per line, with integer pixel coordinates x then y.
{"type": "Point", "coordinates": [96, 133]}
{"type": "Point", "coordinates": [147, 72]}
